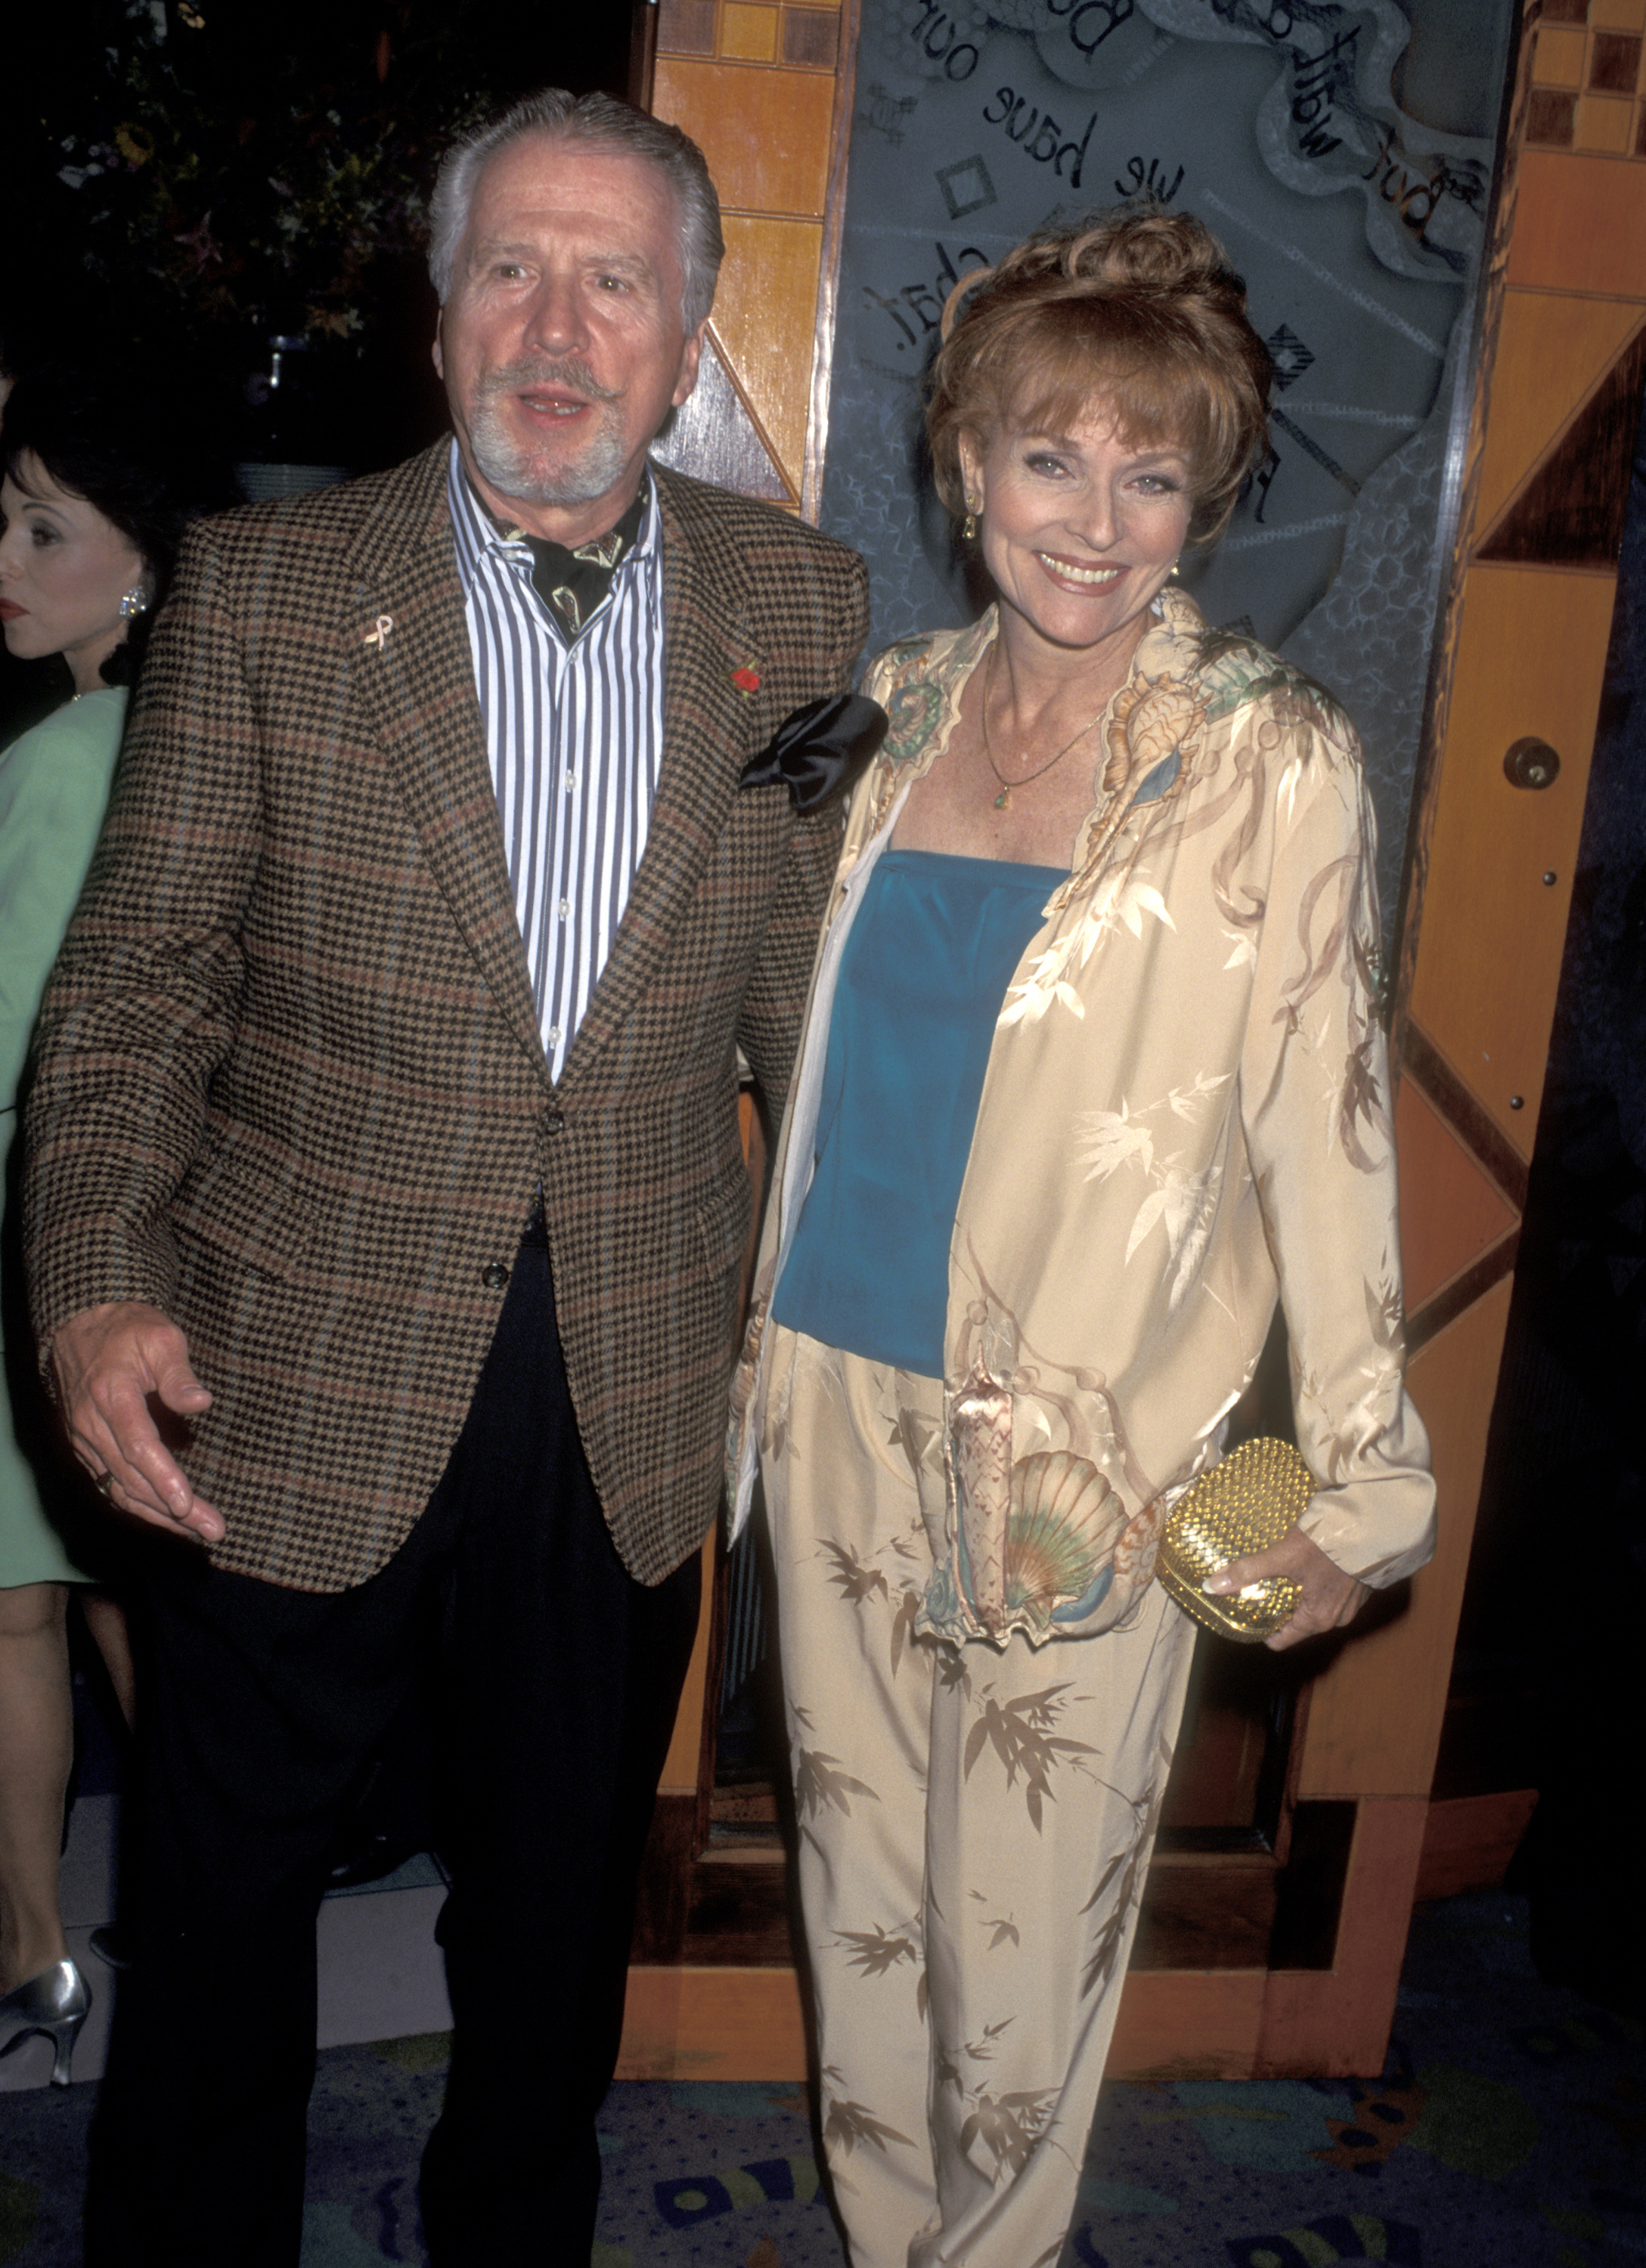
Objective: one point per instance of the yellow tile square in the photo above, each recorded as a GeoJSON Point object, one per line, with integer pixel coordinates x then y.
{"type": "Point", "coordinates": [1617, 15]}
{"type": "Point", "coordinates": [1559, 59]}
{"type": "Point", "coordinates": [1605, 122]}
{"type": "Point", "coordinates": [748, 34]}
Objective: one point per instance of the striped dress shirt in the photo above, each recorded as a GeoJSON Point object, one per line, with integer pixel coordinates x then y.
{"type": "Point", "coordinates": [574, 732]}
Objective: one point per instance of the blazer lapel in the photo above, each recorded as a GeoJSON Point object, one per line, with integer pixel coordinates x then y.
{"type": "Point", "coordinates": [708, 732]}
{"type": "Point", "coordinates": [405, 622]}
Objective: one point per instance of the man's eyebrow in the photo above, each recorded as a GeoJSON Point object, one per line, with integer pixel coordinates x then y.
{"type": "Point", "coordinates": [494, 248]}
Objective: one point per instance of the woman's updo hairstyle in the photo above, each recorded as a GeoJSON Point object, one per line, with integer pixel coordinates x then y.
{"type": "Point", "coordinates": [1137, 312]}
{"type": "Point", "coordinates": [128, 448]}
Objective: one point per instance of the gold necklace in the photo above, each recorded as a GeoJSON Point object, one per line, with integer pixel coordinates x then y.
{"type": "Point", "coordinates": [1003, 801]}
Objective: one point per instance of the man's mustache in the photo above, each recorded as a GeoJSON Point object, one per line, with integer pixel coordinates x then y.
{"type": "Point", "coordinates": [531, 370]}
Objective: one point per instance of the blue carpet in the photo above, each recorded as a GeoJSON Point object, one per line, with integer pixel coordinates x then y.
{"type": "Point", "coordinates": [1506, 2131]}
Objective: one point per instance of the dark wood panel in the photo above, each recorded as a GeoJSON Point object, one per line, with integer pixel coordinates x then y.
{"type": "Point", "coordinates": [659, 1918]}
{"type": "Point", "coordinates": [1212, 1910]}
{"type": "Point", "coordinates": [1214, 1898]}
{"type": "Point", "coordinates": [739, 1910]}
{"type": "Point", "coordinates": [1570, 513]}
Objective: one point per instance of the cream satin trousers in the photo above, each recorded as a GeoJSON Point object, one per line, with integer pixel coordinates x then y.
{"type": "Point", "coordinates": [975, 1825]}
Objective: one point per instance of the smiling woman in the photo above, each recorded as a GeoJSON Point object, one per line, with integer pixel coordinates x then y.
{"type": "Point", "coordinates": [1092, 1069]}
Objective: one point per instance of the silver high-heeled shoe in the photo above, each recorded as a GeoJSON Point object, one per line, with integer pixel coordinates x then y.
{"type": "Point", "coordinates": [57, 2003]}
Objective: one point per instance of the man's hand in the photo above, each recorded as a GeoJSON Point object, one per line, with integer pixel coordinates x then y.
{"type": "Point", "coordinates": [111, 1362]}
{"type": "Point", "coordinates": [1330, 1599]}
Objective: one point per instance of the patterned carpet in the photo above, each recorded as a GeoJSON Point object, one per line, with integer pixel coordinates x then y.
{"type": "Point", "coordinates": [1507, 2131]}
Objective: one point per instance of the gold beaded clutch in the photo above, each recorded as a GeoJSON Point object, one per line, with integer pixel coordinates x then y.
{"type": "Point", "coordinates": [1245, 1503]}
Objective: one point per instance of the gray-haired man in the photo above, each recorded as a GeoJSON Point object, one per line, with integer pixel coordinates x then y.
{"type": "Point", "coordinates": [430, 906]}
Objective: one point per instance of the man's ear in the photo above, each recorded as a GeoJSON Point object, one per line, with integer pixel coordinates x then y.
{"type": "Point", "coordinates": [436, 351]}
{"type": "Point", "coordinates": [690, 354]}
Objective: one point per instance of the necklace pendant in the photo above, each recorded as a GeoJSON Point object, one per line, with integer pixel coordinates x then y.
{"type": "Point", "coordinates": [1002, 802]}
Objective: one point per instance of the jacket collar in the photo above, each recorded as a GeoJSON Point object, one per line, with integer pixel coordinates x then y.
{"type": "Point", "coordinates": [709, 731]}
{"type": "Point", "coordinates": [406, 624]}
{"type": "Point", "coordinates": [406, 629]}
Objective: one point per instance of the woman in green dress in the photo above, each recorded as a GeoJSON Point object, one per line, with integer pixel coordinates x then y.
{"type": "Point", "coordinates": [98, 487]}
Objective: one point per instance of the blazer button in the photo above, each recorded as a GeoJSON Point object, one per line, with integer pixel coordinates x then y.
{"type": "Point", "coordinates": [494, 1274]}
{"type": "Point", "coordinates": [554, 1119]}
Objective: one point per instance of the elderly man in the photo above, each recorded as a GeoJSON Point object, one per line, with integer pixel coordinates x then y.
{"type": "Point", "coordinates": [385, 1200]}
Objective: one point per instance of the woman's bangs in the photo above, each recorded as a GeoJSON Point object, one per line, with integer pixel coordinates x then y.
{"type": "Point", "coordinates": [1155, 395]}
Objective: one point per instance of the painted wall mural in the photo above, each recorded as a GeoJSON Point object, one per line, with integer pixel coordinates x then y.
{"type": "Point", "coordinates": [1343, 154]}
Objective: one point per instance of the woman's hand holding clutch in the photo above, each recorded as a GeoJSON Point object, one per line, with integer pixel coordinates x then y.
{"type": "Point", "coordinates": [1330, 1600]}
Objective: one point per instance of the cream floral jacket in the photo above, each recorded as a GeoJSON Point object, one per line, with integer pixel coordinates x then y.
{"type": "Point", "coordinates": [1185, 1116]}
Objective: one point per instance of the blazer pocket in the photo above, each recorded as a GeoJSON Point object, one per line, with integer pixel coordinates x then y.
{"type": "Point", "coordinates": [240, 1230]}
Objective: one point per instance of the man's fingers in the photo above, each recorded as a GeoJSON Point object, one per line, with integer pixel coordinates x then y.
{"type": "Point", "coordinates": [112, 1363]}
{"type": "Point", "coordinates": [201, 1521]}
{"type": "Point", "coordinates": [133, 1470]}
{"type": "Point", "coordinates": [180, 1390]}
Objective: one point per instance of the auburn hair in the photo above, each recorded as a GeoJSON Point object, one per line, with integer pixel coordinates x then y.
{"type": "Point", "coordinates": [1133, 313]}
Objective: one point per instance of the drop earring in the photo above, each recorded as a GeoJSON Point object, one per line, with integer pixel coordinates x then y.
{"type": "Point", "coordinates": [969, 530]}
{"type": "Point", "coordinates": [134, 601]}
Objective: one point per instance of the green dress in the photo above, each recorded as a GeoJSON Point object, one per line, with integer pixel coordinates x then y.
{"type": "Point", "coordinates": [53, 787]}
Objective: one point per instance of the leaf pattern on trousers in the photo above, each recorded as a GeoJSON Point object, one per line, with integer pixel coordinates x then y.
{"type": "Point", "coordinates": [1019, 1733]}
{"type": "Point", "coordinates": [1009, 2126]}
{"type": "Point", "coordinates": [1125, 1870]}
{"type": "Point", "coordinates": [862, 1585]}
{"type": "Point", "coordinates": [848, 2124]}
{"type": "Point", "coordinates": [819, 1784]}
{"type": "Point", "coordinates": [857, 1582]}
{"type": "Point", "coordinates": [874, 1951]}
{"type": "Point", "coordinates": [903, 1628]}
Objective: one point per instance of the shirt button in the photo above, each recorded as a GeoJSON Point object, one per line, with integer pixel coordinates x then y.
{"type": "Point", "coordinates": [570, 782]}
{"type": "Point", "coordinates": [565, 908]}
{"type": "Point", "coordinates": [554, 1036]}
{"type": "Point", "coordinates": [494, 1274]}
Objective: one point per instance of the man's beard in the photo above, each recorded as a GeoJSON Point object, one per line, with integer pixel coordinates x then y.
{"type": "Point", "coordinates": [511, 465]}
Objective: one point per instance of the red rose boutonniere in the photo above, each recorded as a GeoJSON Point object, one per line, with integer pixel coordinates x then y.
{"type": "Point", "coordinates": [746, 680]}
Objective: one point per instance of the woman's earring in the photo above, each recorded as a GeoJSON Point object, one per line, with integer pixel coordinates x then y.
{"type": "Point", "coordinates": [967, 533]}
{"type": "Point", "coordinates": [134, 601]}
{"type": "Point", "coordinates": [1173, 576]}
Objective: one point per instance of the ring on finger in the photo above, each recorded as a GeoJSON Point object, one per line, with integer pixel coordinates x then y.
{"type": "Point", "coordinates": [103, 1482]}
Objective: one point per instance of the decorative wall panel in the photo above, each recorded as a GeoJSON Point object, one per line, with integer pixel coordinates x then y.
{"type": "Point", "coordinates": [1344, 155]}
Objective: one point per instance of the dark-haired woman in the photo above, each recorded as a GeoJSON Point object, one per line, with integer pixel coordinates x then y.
{"type": "Point", "coordinates": [1092, 1076]}
{"type": "Point", "coordinates": [94, 498]}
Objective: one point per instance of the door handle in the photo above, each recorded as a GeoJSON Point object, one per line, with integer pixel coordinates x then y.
{"type": "Point", "coordinates": [1532, 763]}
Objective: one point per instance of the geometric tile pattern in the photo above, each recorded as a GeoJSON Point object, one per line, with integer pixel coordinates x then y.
{"type": "Point", "coordinates": [1450, 1212]}
{"type": "Point", "coordinates": [1588, 91]}
{"type": "Point", "coordinates": [715, 437]}
{"type": "Point", "coordinates": [754, 83]}
{"type": "Point", "coordinates": [1555, 348]}
{"type": "Point", "coordinates": [751, 31]}
{"type": "Point", "coordinates": [1571, 512]}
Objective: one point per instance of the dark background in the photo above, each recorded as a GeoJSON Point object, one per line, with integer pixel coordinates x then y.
{"type": "Point", "coordinates": [258, 170]}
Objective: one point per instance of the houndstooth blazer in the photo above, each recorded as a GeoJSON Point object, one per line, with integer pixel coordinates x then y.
{"type": "Point", "coordinates": [289, 1085]}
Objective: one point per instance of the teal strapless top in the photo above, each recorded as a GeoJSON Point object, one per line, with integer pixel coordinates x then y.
{"type": "Point", "coordinates": [921, 982]}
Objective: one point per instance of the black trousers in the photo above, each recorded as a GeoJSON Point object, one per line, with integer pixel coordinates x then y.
{"type": "Point", "coordinates": [559, 1676]}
